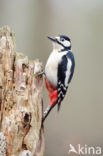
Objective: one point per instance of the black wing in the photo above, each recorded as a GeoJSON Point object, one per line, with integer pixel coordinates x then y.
{"type": "Point", "coordinates": [62, 71]}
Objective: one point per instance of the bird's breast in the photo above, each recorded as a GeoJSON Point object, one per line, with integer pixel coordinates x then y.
{"type": "Point", "coordinates": [51, 67]}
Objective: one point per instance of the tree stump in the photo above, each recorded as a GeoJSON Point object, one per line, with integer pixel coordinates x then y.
{"type": "Point", "coordinates": [21, 101]}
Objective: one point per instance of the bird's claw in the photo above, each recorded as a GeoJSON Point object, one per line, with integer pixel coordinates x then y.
{"type": "Point", "coordinates": [40, 73]}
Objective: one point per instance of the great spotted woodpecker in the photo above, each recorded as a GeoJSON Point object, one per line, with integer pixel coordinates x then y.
{"type": "Point", "coordinates": [59, 70]}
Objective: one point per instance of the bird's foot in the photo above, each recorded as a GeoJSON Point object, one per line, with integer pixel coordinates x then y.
{"type": "Point", "coordinates": [40, 73]}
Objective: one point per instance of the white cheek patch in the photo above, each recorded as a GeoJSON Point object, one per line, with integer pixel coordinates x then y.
{"type": "Point", "coordinates": [66, 43]}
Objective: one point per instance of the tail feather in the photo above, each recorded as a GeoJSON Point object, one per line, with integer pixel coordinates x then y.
{"type": "Point", "coordinates": [48, 109]}
{"type": "Point", "coordinates": [58, 106]}
{"type": "Point", "coordinates": [46, 113]}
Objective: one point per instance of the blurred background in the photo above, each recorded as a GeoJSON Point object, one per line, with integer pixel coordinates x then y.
{"type": "Point", "coordinates": [80, 118]}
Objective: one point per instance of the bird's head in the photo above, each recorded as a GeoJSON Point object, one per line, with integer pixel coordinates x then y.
{"type": "Point", "coordinates": [61, 43]}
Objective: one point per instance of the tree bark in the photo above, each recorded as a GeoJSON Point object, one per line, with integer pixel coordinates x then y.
{"type": "Point", "coordinates": [21, 101]}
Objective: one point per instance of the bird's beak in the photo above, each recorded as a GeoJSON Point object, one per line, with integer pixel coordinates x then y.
{"type": "Point", "coordinates": [52, 39]}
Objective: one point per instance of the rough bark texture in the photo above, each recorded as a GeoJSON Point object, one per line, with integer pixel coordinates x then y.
{"type": "Point", "coordinates": [20, 101]}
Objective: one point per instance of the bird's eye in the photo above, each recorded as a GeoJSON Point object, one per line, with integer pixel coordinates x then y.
{"type": "Point", "coordinates": [62, 39]}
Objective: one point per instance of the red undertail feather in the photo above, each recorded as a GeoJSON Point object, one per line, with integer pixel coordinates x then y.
{"type": "Point", "coordinates": [53, 93]}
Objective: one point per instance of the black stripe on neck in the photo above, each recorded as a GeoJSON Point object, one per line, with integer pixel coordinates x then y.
{"type": "Point", "coordinates": [66, 49]}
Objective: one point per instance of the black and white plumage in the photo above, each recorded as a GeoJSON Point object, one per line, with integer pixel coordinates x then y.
{"type": "Point", "coordinates": [59, 70]}
{"type": "Point", "coordinates": [65, 73]}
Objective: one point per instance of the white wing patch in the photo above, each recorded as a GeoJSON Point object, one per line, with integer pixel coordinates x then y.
{"type": "Point", "coordinates": [68, 72]}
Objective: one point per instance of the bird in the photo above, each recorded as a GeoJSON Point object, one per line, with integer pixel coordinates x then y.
{"type": "Point", "coordinates": [59, 71]}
